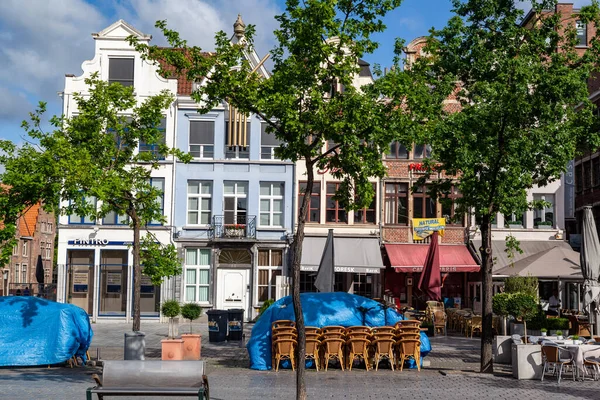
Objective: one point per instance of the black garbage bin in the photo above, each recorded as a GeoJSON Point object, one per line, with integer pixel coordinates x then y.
{"type": "Point", "coordinates": [236, 323]}
{"type": "Point", "coordinates": [217, 325]}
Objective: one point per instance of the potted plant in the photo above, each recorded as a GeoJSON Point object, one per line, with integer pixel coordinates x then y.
{"type": "Point", "coordinates": [543, 224]}
{"type": "Point", "coordinates": [522, 306]}
{"type": "Point", "coordinates": [172, 349]}
{"type": "Point", "coordinates": [515, 224]}
{"type": "Point", "coordinates": [559, 335]}
{"type": "Point", "coordinates": [502, 342]}
{"type": "Point", "coordinates": [575, 339]}
{"type": "Point", "coordinates": [544, 331]}
{"type": "Point", "coordinates": [191, 341]}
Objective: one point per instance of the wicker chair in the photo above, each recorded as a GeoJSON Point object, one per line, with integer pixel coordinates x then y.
{"type": "Point", "coordinates": [383, 329]}
{"type": "Point", "coordinates": [384, 335]}
{"type": "Point", "coordinates": [579, 328]}
{"type": "Point", "coordinates": [333, 349]}
{"type": "Point", "coordinates": [409, 335]}
{"type": "Point", "coordinates": [358, 335]}
{"type": "Point", "coordinates": [594, 363]}
{"type": "Point", "coordinates": [473, 324]}
{"type": "Point", "coordinates": [357, 329]}
{"type": "Point", "coordinates": [282, 322]}
{"type": "Point", "coordinates": [333, 329]}
{"type": "Point", "coordinates": [407, 349]}
{"type": "Point", "coordinates": [408, 323]}
{"type": "Point", "coordinates": [555, 356]}
{"type": "Point", "coordinates": [284, 329]}
{"type": "Point", "coordinates": [312, 351]}
{"type": "Point", "coordinates": [312, 329]}
{"type": "Point", "coordinates": [439, 321]}
{"type": "Point", "coordinates": [358, 348]}
{"type": "Point", "coordinates": [313, 336]}
{"type": "Point", "coordinates": [284, 350]}
{"type": "Point", "coordinates": [384, 348]}
{"type": "Point", "coordinates": [334, 335]}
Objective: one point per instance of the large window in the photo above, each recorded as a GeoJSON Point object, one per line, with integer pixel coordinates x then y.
{"type": "Point", "coordinates": [25, 248]}
{"type": "Point", "coordinates": [17, 273]}
{"type": "Point", "coordinates": [24, 273]}
{"type": "Point", "coordinates": [202, 139]}
{"type": "Point", "coordinates": [154, 147]}
{"type": "Point", "coordinates": [424, 206]}
{"type": "Point", "coordinates": [159, 184]}
{"type": "Point", "coordinates": [237, 145]}
{"type": "Point", "coordinates": [422, 151]}
{"type": "Point", "coordinates": [544, 216]}
{"type": "Point", "coordinates": [235, 202]}
{"type": "Point", "coordinates": [120, 70]}
{"type": "Point", "coordinates": [270, 264]}
{"type": "Point", "coordinates": [367, 214]}
{"type": "Point", "coordinates": [113, 282]}
{"type": "Point", "coordinates": [397, 151]}
{"type": "Point", "coordinates": [77, 219]}
{"type": "Point", "coordinates": [334, 213]}
{"type": "Point", "coordinates": [448, 204]}
{"type": "Point", "coordinates": [197, 275]}
{"type": "Point", "coordinates": [271, 204]}
{"type": "Point", "coordinates": [581, 28]}
{"type": "Point", "coordinates": [112, 218]}
{"type": "Point", "coordinates": [268, 143]}
{"type": "Point", "coordinates": [47, 251]}
{"type": "Point", "coordinates": [396, 203]}
{"type": "Point", "coordinates": [307, 281]}
{"type": "Point", "coordinates": [314, 208]}
{"type": "Point", "coordinates": [199, 202]}
{"type": "Point", "coordinates": [362, 285]}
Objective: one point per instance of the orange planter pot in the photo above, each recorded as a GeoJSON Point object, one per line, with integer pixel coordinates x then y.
{"type": "Point", "coordinates": [172, 349]}
{"type": "Point", "coordinates": [191, 346]}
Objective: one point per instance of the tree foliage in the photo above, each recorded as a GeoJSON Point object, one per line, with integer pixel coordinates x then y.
{"type": "Point", "coordinates": [500, 304]}
{"type": "Point", "coordinates": [524, 111]}
{"type": "Point", "coordinates": [522, 284]}
{"type": "Point", "coordinates": [88, 165]}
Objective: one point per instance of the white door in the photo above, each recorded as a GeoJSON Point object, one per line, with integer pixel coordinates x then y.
{"type": "Point", "coordinates": [233, 289]}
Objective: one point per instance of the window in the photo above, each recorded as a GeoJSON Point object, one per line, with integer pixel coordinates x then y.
{"type": "Point", "coordinates": [15, 251]}
{"type": "Point", "coordinates": [50, 227]}
{"type": "Point", "coordinates": [24, 273]}
{"type": "Point", "coordinates": [271, 204]}
{"type": "Point", "coordinates": [25, 248]}
{"type": "Point", "coordinates": [199, 202]}
{"type": "Point", "coordinates": [581, 28]}
{"type": "Point", "coordinates": [367, 215]}
{"type": "Point", "coordinates": [77, 219]}
{"type": "Point", "coordinates": [112, 218]}
{"type": "Point", "coordinates": [596, 171]}
{"type": "Point", "coordinates": [154, 148]}
{"type": "Point", "coordinates": [17, 274]}
{"type": "Point", "coordinates": [314, 208]}
{"type": "Point", "coordinates": [544, 216]}
{"type": "Point", "coordinates": [43, 227]}
{"type": "Point", "coordinates": [159, 184]}
{"type": "Point", "coordinates": [270, 265]}
{"type": "Point", "coordinates": [307, 282]}
{"type": "Point", "coordinates": [579, 178]}
{"type": "Point", "coordinates": [587, 175]}
{"type": "Point", "coordinates": [449, 207]}
{"type": "Point", "coordinates": [235, 202]}
{"type": "Point", "coordinates": [202, 139]}
{"type": "Point", "coordinates": [362, 285]}
{"type": "Point", "coordinates": [424, 206]}
{"type": "Point", "coordinates": [237, 145]}
{"type": "Point", "coordinates": [120, 70]}
{"type": "Point", "coordinates": [422, 151]}
{"type": "Point", "coordinates": [113, 282]}
{"type": "Point", "coordinates": [197, 275]}
{"type": "Point", "coordinates": [396, 203]}
{"type": "Point", "coordinates": [397, 151]}
{"type": "Point", "coordinates": [47, 251]}
{"type": "Point", "coordinates": [268, 143]}
{"type": "Point", "coordinates": [334, 213]}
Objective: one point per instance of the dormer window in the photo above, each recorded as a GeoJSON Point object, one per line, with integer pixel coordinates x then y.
{"type": "Point", "coordinates": [120, 70]}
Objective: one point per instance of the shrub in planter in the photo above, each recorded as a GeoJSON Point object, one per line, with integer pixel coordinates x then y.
{"type": "Point", "coordinates": [522, 284]}
{"type": "Point", "coordinates": [559, 334]}
{"type": "Point", "coordinates": [523, 306]}
{"type": "Point", "coordinates": [191, 342]}
{"type": "Point", "coordinates": [191, 311]}
{"type": "Point", "coordinates": [170, 309]}
{"type": "Point", "coordinates": [544, 331]}
{"type": "Point", "coordinates": [500, 307]}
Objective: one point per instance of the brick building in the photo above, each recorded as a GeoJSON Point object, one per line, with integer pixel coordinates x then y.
{"type": "Point", "coordinates": [35, 237]}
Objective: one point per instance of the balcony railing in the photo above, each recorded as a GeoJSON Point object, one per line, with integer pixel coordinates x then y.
{"type": "Point", "coordinates": [238, 227]}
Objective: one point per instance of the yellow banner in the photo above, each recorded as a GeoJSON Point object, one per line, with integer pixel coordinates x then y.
{"type": "Point", "coordinates": [423, 227]}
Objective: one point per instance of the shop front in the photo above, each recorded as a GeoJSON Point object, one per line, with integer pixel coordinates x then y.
{"type": "Point", "coordinates": [357, 264]}
{"type": "Point", "coordinates": [404, 266]}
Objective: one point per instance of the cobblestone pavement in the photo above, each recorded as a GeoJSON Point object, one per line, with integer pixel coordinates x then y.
{"type": "Point", "coordinates": [449, 376]}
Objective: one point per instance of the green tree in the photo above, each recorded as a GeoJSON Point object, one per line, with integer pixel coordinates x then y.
{"type": "Point", "coordinates": [524, 306]}
{"type": "Point", "coordinates": [524, 111]}
{"type": "Point", "coordinates": [92, 156]}
{"type": "Point", "coordinates": [522, 284]}
{"type": "Point", "coordinates": [308, 100]}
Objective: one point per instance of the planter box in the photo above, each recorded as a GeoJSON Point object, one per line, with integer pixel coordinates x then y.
{"type": "Point", "coordinates": [546, 227]}
{"type": "Point", "coordinates": [172, 349]}
{"type": "Point", "coordinates": [564, 331]}
{"type": "Point", "coordinates": [502, 349]}
{"type": "Point", "coordinates": [191, 346]}
{"type": "Point", "coordinates": [515, 226]}
{"type": "Point", "coordinates": [527, 361]}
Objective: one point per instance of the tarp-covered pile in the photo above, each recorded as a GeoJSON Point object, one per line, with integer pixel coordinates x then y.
{"type": "Point", "coordinates": [321, 309]}
{"type": "Point", "coordinates": [34, 331]}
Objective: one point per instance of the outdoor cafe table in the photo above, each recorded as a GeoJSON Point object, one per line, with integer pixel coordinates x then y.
{"type": "Point", "coordinates": [581, 351]}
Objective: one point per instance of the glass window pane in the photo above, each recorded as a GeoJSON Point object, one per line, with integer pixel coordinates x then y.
{"type": "Point", "coordinates": [205, 218]}
{"type": "Point", "coordinates": [264, 219]}
{"type": "Point", "coordinates": [191, 257]}
{"type": "Point", "coordinates": [204, 257]}
{"type": "Point", "coordinates": [265, 205]}
{"type": "Point", "coordinates": [205, 204]}
{"type": "Point", "coordinates": [190, 276]}
{"type": "Point", "coordinates": [242, 188]}
{"type": "Point", "coordinates": [192, 203]}
{"type": "Point", "coordinates": [277, 220]}
{"type": "Point", "coordinates": [203, 276]}
{"type": "Point", "coordinates": [263, 293]}
{"type": "Point", "coordinates": [229, 188]}
{"type": "Point", "coordinates": [263, 258]}
{"type": "Point", "coordinates": [206, 188]}
{"type": "Point", "coordinates": [203, 293]}
{"type": "Point", "coordinates": [277, 258]}
{"type": "Point", "coordinates": [190, 293]}
{"type": "Point", "coordinates": [265, 189]}
{"type": "Point", "coordinates": [192, 217]}
{"type": "Point", "coordinates": [263, 276]}
{"type": "Point", "coordinates": [278, 189]}
{"type": "Point", "coordinates": [193, 187]}
{"type": "Point", "coordinates": [277, 205]}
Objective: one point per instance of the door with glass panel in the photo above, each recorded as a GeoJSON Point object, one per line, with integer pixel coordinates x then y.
{"type": "Point", "coordinates": [197, 275]}
{"type": "Point", "coordinates": [113, 282]}
{"type": "Point", "coordinates": [235, 202]}
{"type": "Point", "coordinates": [80, 279]}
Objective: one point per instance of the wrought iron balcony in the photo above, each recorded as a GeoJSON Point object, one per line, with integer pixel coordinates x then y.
{"type": "Point", "coordinates": [234, 227]}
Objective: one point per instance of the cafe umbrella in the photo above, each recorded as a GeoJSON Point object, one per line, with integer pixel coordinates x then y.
{"type": "Point", "coordinates": [39, 273]}
{"type": "Point", "coordinates": [431, 277]}
{"type": "Point", "coordinates": [590, 266]}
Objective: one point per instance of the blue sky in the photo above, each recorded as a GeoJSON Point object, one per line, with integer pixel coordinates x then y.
{"type": "Point", "coordinates": [42, 40]}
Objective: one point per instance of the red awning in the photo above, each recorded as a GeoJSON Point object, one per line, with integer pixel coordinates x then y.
{"type": "Point", "coordinates": [411, 257]}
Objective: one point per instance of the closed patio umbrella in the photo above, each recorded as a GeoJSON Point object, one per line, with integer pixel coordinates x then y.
{"type": "Point", "coordinates": [325, 275]}
{"type": "Point", "coordinates": [590, 265]}
{"type": "Point", "coordinates": [431, 277]}
{"type": "Point", "coordinates": [39, 274]}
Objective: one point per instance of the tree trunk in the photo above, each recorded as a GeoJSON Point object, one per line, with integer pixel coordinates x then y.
{"type": "Point", "coordinates": [525, 330]}
{"type": "Point", "coordinates": [487, 335]}
{"type": "Point", "coordinates": [137, 272]}
{"type": "Point", "coordinates": [296, 259]}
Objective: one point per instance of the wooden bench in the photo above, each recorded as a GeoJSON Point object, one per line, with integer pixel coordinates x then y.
{"type": "Point", "coordinates": [151, 378]}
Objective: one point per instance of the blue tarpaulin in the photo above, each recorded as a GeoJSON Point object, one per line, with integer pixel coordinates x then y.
{"type": "Point", "coordinates": [35, 331]}
{"type": "Point", "coordinates": [321, 309]}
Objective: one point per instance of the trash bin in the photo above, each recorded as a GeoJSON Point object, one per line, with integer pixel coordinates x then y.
{"type": "Point", "coordinates": [217, 325]}
{"type": "Point", "coordinates": [135, 346]}
{"type": "Point", "coordinates": [236, 323]}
